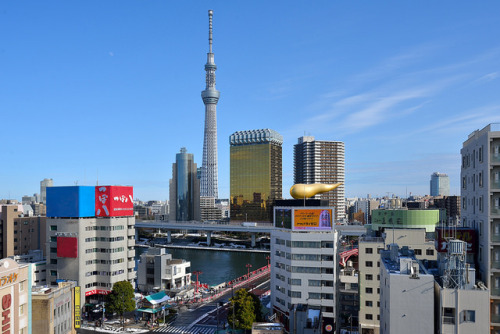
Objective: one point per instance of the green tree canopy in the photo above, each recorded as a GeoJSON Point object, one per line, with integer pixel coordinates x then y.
{"type": "Point", "coordinates": [246, 308]}
{"type": "Point", "coordinates": [121, 298]}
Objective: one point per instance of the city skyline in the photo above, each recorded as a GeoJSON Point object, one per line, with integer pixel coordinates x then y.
{"type": "Point", "coordinates": [85, 85]}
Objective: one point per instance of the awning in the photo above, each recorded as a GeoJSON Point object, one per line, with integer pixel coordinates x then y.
{"type": "Point", "coordinates": [157, 298]}
{"type": "Point", "coordinates": [148, 310]}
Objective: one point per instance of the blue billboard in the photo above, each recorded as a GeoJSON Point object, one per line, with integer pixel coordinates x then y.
{"type": "Point", "coordinates": [73, 201]}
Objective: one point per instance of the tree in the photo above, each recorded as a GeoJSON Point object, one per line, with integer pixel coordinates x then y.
{"type": "Point", "coordinates": [246, 309]}
{"type": "Point", "coordinates": [121, 299]}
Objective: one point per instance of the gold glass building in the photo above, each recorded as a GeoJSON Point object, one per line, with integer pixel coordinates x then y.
{"type": "Point", "coordinates": [255, 174]}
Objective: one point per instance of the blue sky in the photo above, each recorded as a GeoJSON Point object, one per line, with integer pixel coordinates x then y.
{"type": "Point", "coordinates": [111, 89]}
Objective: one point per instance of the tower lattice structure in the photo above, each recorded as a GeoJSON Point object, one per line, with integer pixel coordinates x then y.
{"type": "Point", "coordinates": [210, 96]}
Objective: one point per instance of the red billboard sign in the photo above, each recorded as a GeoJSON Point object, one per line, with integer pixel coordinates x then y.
{"type": "Point", "coordinates": [97, 292]}
{"type": "Point", "coordinates": [461, 233]}
{"type": "Point", "coordinates": [67, 247]}
{"type": "Point", "coordinates": [114, 201]}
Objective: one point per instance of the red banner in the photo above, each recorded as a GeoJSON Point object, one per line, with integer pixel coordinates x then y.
{"type": "Point", "coordinates": [114, 201]}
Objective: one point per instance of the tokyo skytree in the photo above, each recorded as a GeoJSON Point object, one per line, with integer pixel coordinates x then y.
{"type": "Point", "coordinates": [210, 98]}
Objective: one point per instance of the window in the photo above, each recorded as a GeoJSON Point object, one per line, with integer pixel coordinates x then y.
{"type": "Point", "coordinates": [295, 281]}
{"type": "Point", "coordinates": [369, 251]}
{"type": "Point", "coordinates": [369, 277]}
{"type": "Point", "coordinates": [53, 227]}
{"type": "Point", "coordinates": [449, 316]}
{"type": "Point", "coordinates": [481, 179]}
{"type": "Point", "coordinates": [429, 252]}
{"type": "Point", "coordinates": [369, 263]}
{"type": "Point", "coordinates": [294, 294]}
{"type": "Point", "coordinates": [313, 282]}
{"type": "Point", "coordinates": [418, 252]}
{"type": "Point", "coordinates": [369, 290]}
{"type": "Point", "coordinates": [314, 295]}
{"type": "Point", "coordinates": [469, 316]}
{"type": "Point", "coordinates": [21, 309]}
{"type": "Point", "coordinates": [369, 316]}
{"type": "Point", "coordinates": [368, 303]}
{"type": "Point", "coordinates": [21, 286]}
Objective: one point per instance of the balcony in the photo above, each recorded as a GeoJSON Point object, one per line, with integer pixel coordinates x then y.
{"type": "Point", "coordinates": [495, 292]}
{"type": "Point", "coordinates": [495, 238]}
{"type": "Point", "coordinates": [495, 264]}
{"type": "Point", "coordinates": [495, 211]}
{"type": "Point", "coordinates": [495, 184]}
{"type": "Point", "coordinates": [495, 318]}
{"type": "Point", "coordinates": [495, 157]}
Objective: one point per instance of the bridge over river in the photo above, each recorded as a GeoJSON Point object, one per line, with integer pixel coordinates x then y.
{"type": "Point", "coordinates": [213, 227]}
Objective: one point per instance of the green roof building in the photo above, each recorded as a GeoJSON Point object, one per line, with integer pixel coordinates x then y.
{"type": "Point", "coordinates": [404, 218]}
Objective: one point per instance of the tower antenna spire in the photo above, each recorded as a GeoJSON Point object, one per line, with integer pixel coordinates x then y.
{"type": "Point", "coordinates": [210, 14]}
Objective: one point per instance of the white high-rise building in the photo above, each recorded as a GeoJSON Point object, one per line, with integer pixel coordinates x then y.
{"type": "Point", "coordinates": [321, 161]}
{"type": "Point", "coordinates": [440, 184]}
{"type": "Point", "coordinates": [210, 96]}
{"type": "Point", "coordinates": [480, 190]}
{"type": "Point", "coordinates": [43, 189]}
{"type": "Point", "coordinates": [303, 269]}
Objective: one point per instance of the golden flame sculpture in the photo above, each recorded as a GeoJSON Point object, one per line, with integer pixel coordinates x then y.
{"type": "Point", "coordinates": [299, 191]}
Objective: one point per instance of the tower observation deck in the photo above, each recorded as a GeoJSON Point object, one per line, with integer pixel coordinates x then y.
{"type": "Point", "coordinates": [210, 96]}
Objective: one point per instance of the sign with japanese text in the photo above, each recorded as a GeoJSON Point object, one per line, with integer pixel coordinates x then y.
{"type": "Point", "coordinates": [77, 307]}
{"type": "Point", "coordinates": [312, 219]}
{"type": "Point", "coordinates": [461, 233]}
{"type": "Point", "coordinates": [97, 292]}
{"type": "Point", "coordinates": [114, 201]}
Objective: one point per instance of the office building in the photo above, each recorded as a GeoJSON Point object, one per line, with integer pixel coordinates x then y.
{"type": "Point", "coordinates": [184, 189]}
{"type": "Point", "coordinates": [440, 184]}
{"type": "Point", "coordinates": [209, 210]}
{"type": "Point", "coordinates": [303, 268]}
{"type": "Point", "coordinates": [157, 270]}
{"type": "Point", "coordinates": [210, 96]}
{"type": "Point", "coordinates": [43, 189]}
{"type": "Point", "coordinates": [480, 190]}
{"type": "Point", "coordinates": [321, 161]}
{"type": "Point", "coordinates": [90, 238]}
{"type": "Point", "coordinates": [406, 293]}
{"type": "Point", "coordinates": [18, 234]}
{"type": "Point", "coordinates": [53, 309]}
{"type": "Point", "coordinates": [15, 290]}
{"type": "Point", "coordinates": [255, 174]}
{"type": "Point", "coordinates": [462, 305]}
{"type": "Point", "coordinates": [369, 269]}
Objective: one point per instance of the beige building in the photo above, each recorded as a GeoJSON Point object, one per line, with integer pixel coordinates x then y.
{"type": "Point", "coordinates": [369, 270]}
{"type": "Point", "coordinates": [14, 297]}
{"type": "Point", "coordinates": [53, 309]}
{"type": "Point", "coordinates": [18, 234]}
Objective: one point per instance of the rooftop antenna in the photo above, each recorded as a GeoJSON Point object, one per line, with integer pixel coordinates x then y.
{"type": "Point", "coordinates": [210, 14]}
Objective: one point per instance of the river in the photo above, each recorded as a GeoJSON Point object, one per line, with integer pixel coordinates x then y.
{"type": "Point", "coordinates": [216, 266]}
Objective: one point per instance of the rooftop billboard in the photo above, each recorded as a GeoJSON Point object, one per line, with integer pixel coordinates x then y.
{"type": "Point", "coordinates": [114, 201]}
{"type": "Point", "coordinates": [73, 201]}
{"type": "Point", "coordinates": [313, 219]}
{"type": "Point", "coordinates": [461, 233]}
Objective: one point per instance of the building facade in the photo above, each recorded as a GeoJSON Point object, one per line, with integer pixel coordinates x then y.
{"type": "Point", "coordinates": [15, 297]}
{"type": "Point", "coordinates": [369, 269]}
{"type": "Point", "coordinates": [158, 271]}
{"type": "Point", "coordinates": [255, 174]}
{"type": "Point", "coordinates": [440, 184]}
{"type": "Point", "coordinates": [303, 269]}
{"type": "Point", "coordinates": [321, 161]}
{"type": "Point", "coordinates": [403, 218]}
{"type": "Point", "coordinates": [406, 293]}
{"type": "Point", "coordinates": [90, 238]}
{"type": "Point", "coordinates": [184, 188]}
{"type": "Point", "coordinates": [53, 309]}
{"type": "Point", "coordinates": [480, 190]}
{"type": "Point", "coordinates": [43, 189]}
{"type": "Point", "coordinates": [210, 96]}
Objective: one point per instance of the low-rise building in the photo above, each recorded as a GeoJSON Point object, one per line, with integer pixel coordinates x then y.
{"type": "Point", "coordinates": [53, 309]}
{"type": "Point", "coordinates": [157, 270]}
{"type": "Point", "coordinates": [15, 299]}
{"type": "Point", "coordinates": [406, 293]}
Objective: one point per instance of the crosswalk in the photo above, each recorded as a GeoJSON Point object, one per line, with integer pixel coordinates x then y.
{"type": "Point", "coordinates": [186, 329]}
